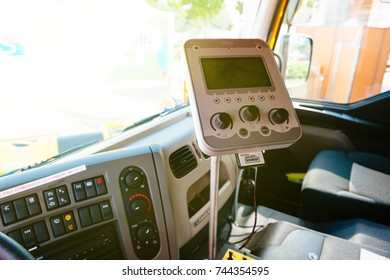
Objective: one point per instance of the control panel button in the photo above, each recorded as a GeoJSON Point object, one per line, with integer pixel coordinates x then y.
{"type": "Point", "coordinates": [17, 236]}
{"type": "Point", "coordinates": [51, 199]}
{"type": "Point", "coordinates": [20, 209]}
{"type": "Point", "coordinates": [96, 214]}
{"type": "Point", "coordinates": [243, 132]}
{"type": "Point", "coordinates": [100, 184]}
{"type": "Point", "coordinates": [105, 208]}
{"type": "Point", "coordinates": [8, 213]}
{"type": "Point", "coordinates": [90, 190]}
{"type": "Point", "coordinates": [28, 236]}
{"type": "Point", "coordinates": [69, 222]}
{"type": "Point", "coordinates": [41, 232]}
{"type": "Point", "coordinates": [33, 206]}
{"type": "Point", "coordinates": [264, 130]}
{"type": "Point", "coordinates": [79, 191]}
{"type": "Point", "coordinates": [85, 217]}
{"type": "Point", "coordinates": [57, 226]}
{"type": "Point", "coordinates": [63, 196]}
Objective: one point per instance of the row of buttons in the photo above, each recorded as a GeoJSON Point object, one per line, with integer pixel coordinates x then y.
{"type": "Point", "coordinates": [37, 233]}
{"type": "Point", "coordinates": [20, 209]}
{"type": "Point", "coordinates": [95, 213]}
{"type": "Point", "coordinates": [89, 188]}
{"type": "Point", "coordinates": [62, 224]}
{"type": "Point", "coordinates": [23, 208]}
{"type": "Point", "coordinates": [31, 235]}
{"type": "Point", "coordinates": [238, 99]}
{"type": "Point", "coordinates": [57, 197]}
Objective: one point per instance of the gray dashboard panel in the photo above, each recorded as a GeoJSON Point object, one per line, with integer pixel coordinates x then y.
{"type": "Point", "coordinates": [107, 164]}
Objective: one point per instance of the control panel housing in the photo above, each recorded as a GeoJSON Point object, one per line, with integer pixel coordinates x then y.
{"type": "Point", "coordinates": [238, 97]}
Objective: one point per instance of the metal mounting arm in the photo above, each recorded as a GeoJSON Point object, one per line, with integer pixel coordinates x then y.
{"type": "Point", "coordinates": [214, 195]}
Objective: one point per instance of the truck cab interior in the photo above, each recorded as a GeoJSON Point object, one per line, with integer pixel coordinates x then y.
{"type": "Point", "coordinates": [102, 155]}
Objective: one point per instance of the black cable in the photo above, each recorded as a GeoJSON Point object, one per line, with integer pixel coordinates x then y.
{"type": "Point", "coordinates": [255, 209]}
{"type": "Point", "coordinates": [258, 227]}
{"type": "Point", "coordinates": [247, 236]}
{"type": "Point", "coordinates": [241, 226]}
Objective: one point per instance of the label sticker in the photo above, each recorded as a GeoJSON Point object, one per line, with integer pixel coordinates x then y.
{"type": "Point", "coordinates": [42, 181]}
{"type": "Point", "coordinates": [250, 159]}
{"type": "Point", "coordinates": [234, 255]}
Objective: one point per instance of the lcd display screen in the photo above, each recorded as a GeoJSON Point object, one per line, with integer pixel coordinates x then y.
{"type": "Point", "coordinates": [235, 72]}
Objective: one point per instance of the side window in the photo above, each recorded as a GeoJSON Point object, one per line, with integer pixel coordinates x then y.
{"type": "Point", "coordinates": [350, 49]}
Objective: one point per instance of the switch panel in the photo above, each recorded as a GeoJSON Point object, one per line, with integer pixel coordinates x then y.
{"type": "Point", "coordinates": [139, 212]}
{"type": "Point", "coordinates": [20, 209]}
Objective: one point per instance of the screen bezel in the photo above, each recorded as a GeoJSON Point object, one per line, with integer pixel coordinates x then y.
{"type": "Point", "coordinates": [238, 89]}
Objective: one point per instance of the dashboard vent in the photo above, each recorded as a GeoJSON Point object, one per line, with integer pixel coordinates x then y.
{"type": "Point", "coordinates": [182, 162]}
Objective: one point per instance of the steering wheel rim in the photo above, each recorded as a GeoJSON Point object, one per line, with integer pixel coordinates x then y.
{"type": "Point", "coordinates": [12, 250]}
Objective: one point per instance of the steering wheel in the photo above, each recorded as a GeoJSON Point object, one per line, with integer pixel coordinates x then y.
{"type": "Point", "coordinates": [12, 250]}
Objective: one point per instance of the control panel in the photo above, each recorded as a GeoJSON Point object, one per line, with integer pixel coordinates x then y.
{"type": "Point", "coordinates": [93, 207]}
{"type": "Point", "coordinates": [139, 212]}
{"type": "Point", "coordinates": [238, 97]}
{"type": "Point", "coordinates": [61, 223]}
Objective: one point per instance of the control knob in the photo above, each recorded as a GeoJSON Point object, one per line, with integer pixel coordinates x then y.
{"type": "Point", "coordinates": [138, 204]}
{"type": "Point", "coordinates": [278, 115]}
{"type": "Point", "coordinates": [222, 120]}
{"type": "Point", "coordinates": [145, 239]}
{"type": "Point", "coordinates": [250, 113]}
{"type": "Point", "coordinates": [134, 179]}
{"type": "Point", "coordinates": [131, 178]}
{"type": "Point", "coordinates": [145, 233]}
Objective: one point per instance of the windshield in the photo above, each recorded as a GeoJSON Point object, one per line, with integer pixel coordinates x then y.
{"type": "Point", "coordinates": [76, 72]}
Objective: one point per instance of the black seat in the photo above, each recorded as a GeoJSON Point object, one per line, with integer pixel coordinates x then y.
{"type": "Point", "coordinates": [347, 184]}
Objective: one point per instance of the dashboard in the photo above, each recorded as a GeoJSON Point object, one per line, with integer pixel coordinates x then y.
{"type": "Point", "coordinates": [130, 198]}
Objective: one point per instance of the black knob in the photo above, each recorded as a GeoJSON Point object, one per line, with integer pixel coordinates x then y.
{"type": "Point", "coordinates": [145, 233]}
{"type": "Point", "coordinates": [279, 115]}
{"type": "Point", "coordinates": [222, 120]}
{"type": "Point", "coordinates": [139, 206]}
{"type": "Point", "coordinates": [250, 113]}
{"type": "Point", "coordinates": [133, 179]}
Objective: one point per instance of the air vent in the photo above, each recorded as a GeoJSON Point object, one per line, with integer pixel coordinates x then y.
{"type": "Point", "coordinates": [182, 162]}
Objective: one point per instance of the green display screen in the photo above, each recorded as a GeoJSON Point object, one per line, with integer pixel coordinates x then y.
{"type": "Point", "coordinates": [235, 72]}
